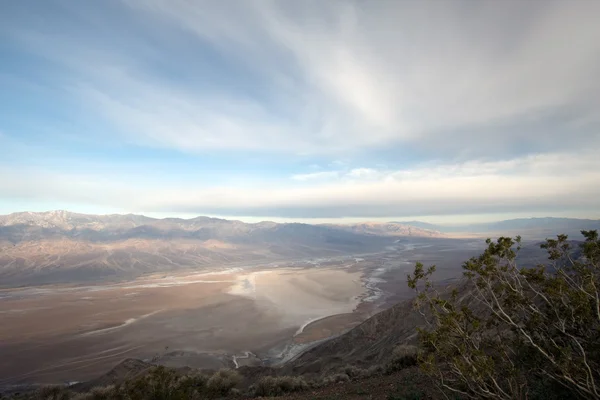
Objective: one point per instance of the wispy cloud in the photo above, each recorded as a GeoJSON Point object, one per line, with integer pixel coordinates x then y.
{"type": "Point", "coordinates": [406, 107]}
{"type": "Point", "coordinates": [534, 184]}
{"type": "Point", "coordinates": [338, 76]}
{"type": "Point", "coordinates": [323, 175]}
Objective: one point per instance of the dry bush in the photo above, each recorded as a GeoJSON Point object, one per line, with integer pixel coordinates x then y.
{"type": "Point", "coordinates": [221, 382]}
{"type": "Point", "coordinates": [193, 385]}
{"type": "Point", "coordinates": [99, 393]}
{"type": "Point", "coordinates": [354, 372]}
{"type": "Point", "coordinates": [164, 384]}
{"type": "Point", "coordinates": [276, 386]}
{"type": "Point", "coordinates": [403, 356]}
{"type": "Point", "coordinates": [336, 378]}
{"type": "Point", "coordinates": [53, 392]}
{"type": "Point", "coordinates": [374, 370]}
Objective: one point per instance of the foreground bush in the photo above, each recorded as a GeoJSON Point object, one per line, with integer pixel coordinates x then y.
{"type": "Point", "coordinates": [336, 378]}
{"type": "Point", "coordinates": [277, 386]}
{"type": "Point", "coordinates": [52, 392]}
{"type": "Point", "coordinates": [222, 382]}
{"type": "Point", "coordinates": [158, 384]}
{"type": "Point", "coordinates": [99, 393]}
{"type": "Point", "coordinates": [517, 333]}
{"type": "Point", "coordinates": [403, 356]}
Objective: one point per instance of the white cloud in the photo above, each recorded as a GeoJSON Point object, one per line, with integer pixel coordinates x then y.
{"type": "Point", "coordinates": [342, 76]}
{"type": "Point", "coordinates": [534, 184]}
{"type": "Point", "coordinates": [397, 71]}
{"type": "Point", "coordinates": [490, 105]}
{"type": "Point", "coordinates": [323, 175]}
{"type": "Point", "coordinates": [363, 173]}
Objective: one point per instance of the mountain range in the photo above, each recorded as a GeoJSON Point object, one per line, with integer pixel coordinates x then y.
{"type": "Point", "coordinates": [537, 228]}
{"type": "Point", "coordinates": [60, 246]}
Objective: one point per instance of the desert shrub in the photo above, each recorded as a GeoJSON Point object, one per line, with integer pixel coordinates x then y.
{"type": "Point", "coordinates": [162, 383]}
{"type": "Point", "coordinates": [99, 393]}
{"type": "Point", "coordinates": [374, 370]}
{"type": "Point", "coordinates": [221, 382]}
{"type": "Point", "coordinates": [516, 333]}
{"type": "Point", "coordinates": [354, 372]}
{"type": "Point", "coordinates": [52, 392]}
{"type": "Point", "coordinates": [276, 386]}
{"type": "Point", "coordinates": [336, 378]}
{"type": "Point", "coordinates": [192, 385]}
{"type": "Point", "coordinates": [403, 356]}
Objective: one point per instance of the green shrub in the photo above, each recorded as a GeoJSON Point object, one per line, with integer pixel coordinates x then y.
{"type": "Point", "coordinates": [336, 378]}
{"type": "Point", "coordinates": [163, 383]}
{"type": "Point", "coordinates": [276, 386]}
{"type": "Point", "coordinates": [221, 382]}
{"type": "Point", "coordinates": [99, 393]}
{"type": "Point", "coordinates": [515, 332]}
{"type": "Point", "coordinates": [354, 372]}
{"type": "Point", "coordinates": [403, 356]}
{"type": "Point", "coordinates": [193, 384]}
{"type": "Point", "coordinates": [53, 392]}
{"type": "Point", "coordinates": [160, 383]}
{"type": "Point", "coordinates": [374, 370]}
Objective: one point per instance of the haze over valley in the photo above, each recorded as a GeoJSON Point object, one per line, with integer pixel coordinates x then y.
{"type": "Point", "coordinates": [210, 198]}
{"type": "Point", "coordinates": [201, 292]}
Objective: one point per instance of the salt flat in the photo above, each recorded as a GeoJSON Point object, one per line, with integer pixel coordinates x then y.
{"type": "Point", "coordinates": [76, 333]}
{"type": "Point", "coordinates": [261, 314]}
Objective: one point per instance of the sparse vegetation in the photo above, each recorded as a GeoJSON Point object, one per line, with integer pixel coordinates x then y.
{"type": "Point", "coordinates": [276, 386]}
{"type": "Point", "coordinates": [336, 378]}
{"type": "Point", "coordinates": [222, 382]}
{"type": "Point", "coordinates": [516, 333]}
{"type": "Point", "coordinates": [98, 393]}
{"type": "Point", "coordinates": [53, 392]}
{"type": "Point", "coordinates": [403, 356]}
{"type": "Point", "coordinates": [160, 383]}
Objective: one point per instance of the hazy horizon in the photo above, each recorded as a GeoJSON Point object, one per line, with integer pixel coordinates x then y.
{"type": "Point", "coordinates": [443, 112]}
{"type": "Point", "coordinates": [455, 220]}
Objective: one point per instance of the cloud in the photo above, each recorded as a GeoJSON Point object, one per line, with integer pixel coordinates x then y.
{"type": "Point", "coordinates": [336, 77]}
{"type": "Point", "coordinates": [363, 173]}
{"type": "Point", "coordinates": [323, 175]}
{"type": "Point", "coordinates": [351, 108]}
{"type": "Point", "coordinates": [400, 72]}
{"type": "Point", "coordinates": [534, 184]}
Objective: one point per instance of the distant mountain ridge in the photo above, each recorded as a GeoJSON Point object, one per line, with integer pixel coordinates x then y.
{"type": "Point", "coordinates": [119, 226]}
{"type": "Point", "coordinates": [532, 227]}
{"type": "Point", "coordinates": [60, 246]}
{"type": "Point", "coordinates": [388, 229]}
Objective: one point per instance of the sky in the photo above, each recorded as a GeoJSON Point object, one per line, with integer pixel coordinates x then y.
{"type": "Point", "coordinates": [443, 111]}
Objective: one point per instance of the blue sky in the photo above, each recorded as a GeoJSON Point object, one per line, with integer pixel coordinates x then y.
{"type": "Point", "coordinates": [285, 110]}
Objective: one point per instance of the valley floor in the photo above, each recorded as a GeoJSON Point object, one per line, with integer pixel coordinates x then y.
{"type": "Point", "coordinates": [206, 321]}
{"type": "Point", "coordinates": [264, 315]}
